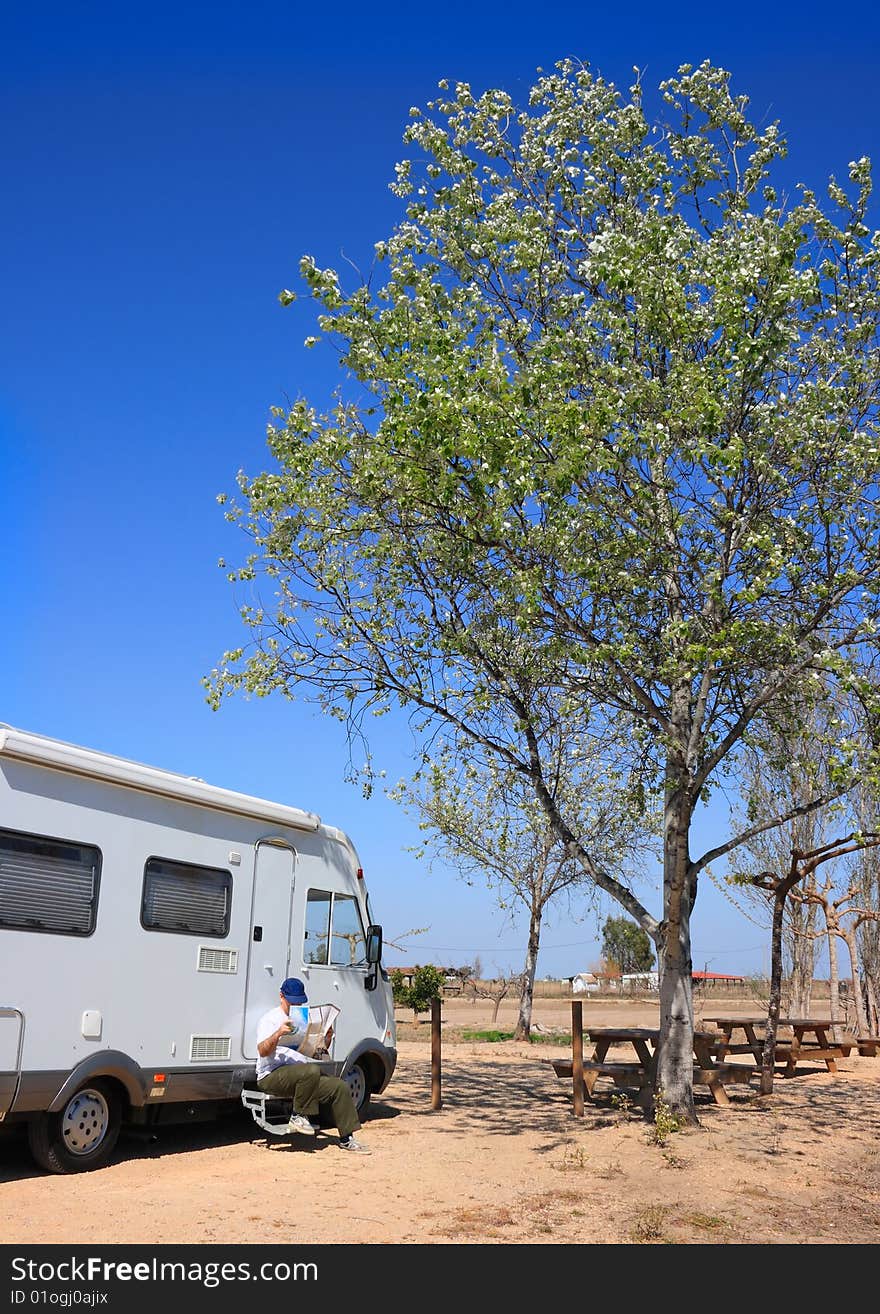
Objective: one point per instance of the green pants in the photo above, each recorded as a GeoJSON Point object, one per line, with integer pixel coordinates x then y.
{"type": "Point", "coordinates": [309, 1089]}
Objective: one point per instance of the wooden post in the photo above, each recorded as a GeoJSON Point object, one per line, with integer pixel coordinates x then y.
{"type": "Point", "coordinates": [436, 1101]}
{"type": "Point", "coordinates": [577, 1056]}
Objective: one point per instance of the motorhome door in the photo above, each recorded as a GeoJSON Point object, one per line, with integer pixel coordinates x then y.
{"type": "Point", "coordinates": [269, 949]}
{"type": "Point", "coordinates": [11, 1040]}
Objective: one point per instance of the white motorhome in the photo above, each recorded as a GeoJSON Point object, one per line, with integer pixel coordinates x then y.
{"type": "Point", "coordinates": [147, 920]}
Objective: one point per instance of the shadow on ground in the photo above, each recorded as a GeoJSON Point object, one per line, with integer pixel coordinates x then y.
{"type": "Point", "coordinates": [236, 1127]}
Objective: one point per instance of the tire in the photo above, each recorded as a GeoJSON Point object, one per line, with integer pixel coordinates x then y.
{"type": "Point", "coordinates": [358, 1082]}
{"type": "Point", "coordinates": [83, 1135]}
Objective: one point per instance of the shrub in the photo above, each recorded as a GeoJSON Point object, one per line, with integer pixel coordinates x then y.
{"type": "Point", "coordinates": [427, 984]}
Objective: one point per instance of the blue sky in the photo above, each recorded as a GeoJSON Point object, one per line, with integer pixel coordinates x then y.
{"type": "Point", "coordinates": [164, 167]}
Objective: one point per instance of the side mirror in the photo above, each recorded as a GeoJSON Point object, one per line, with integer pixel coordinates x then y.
{"type": "Point", "coordinates": [374, 944]}
{"type": "Point", "coordinates": [374, 956]}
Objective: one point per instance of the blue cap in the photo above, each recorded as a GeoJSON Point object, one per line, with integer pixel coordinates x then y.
{"type": "Point", "coordinates": [294, 991]}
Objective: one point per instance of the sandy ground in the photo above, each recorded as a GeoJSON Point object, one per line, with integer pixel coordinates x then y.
{"type": "Point", "coordinates": [503, 1161]}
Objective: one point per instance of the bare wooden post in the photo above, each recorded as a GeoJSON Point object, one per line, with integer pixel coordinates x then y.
{"type": "Point", "coordinates": [436, 1101]}
{"type": "Point", "coordinates": [577, 1056]}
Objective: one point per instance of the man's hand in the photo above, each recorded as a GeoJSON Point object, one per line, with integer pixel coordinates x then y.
{"type": "Point", "coordinates": [265, 1048]}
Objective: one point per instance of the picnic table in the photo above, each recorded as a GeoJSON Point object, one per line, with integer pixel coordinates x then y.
{"type": "Point", "coordinates": [789, 1050]}
{"type": "Point", "coordinates": [753, 1043]}
{"type": "Point", "coordinates": [639, 1072]}
{"type": "Point", "coordinates": [820, 1048]}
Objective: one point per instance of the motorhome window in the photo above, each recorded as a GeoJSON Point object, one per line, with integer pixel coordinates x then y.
{"type": "Point", "coordinates": [347, 945]}
{"type": "Point", "coordinates": [185, 899]}
{"type": "Point", "coordinates": [334, 931]}
{"type": "Point", "coordinates": [317, 937]}
{"type": "Point", "coordinates": [48, 884]}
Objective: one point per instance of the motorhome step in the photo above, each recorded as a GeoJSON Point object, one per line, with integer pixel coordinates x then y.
{"type": "Point", "coordinates": [259, 1104]}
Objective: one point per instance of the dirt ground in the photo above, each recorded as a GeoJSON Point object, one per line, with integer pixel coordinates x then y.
{"type": "Point", "coordinates": [503, 1161]}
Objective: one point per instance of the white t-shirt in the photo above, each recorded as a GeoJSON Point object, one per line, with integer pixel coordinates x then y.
{"type": "Point", "coordinates": [298, 1017]}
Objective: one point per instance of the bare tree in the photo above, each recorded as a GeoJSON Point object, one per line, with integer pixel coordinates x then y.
{"type": "Point", "coordinates": [498, 989]}
{"type": "Point", "coordinates": [842, 921]}
{"type": "Point", "coordinates": [793, 766]}
{"type": "Point", "coordinates": [861, 997]}
{"type": "Point", "coordinates": [801, 867]}
{"type": "Point", "coordinates": [866, 875]}
{"type": "Point", "coordinates": [869, 949]}
{"type": "Point", "coordinates": [486, 822]}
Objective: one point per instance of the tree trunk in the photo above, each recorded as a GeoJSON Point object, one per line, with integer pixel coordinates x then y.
{"type": "Point", "coordinates": [768, 1053]}
{"type": "Point", "coordinates": [833, 983]}
{"type": "Point", "coordinates": [872, 1006]}
{"type": "Point", "coordinates": [862, 1028]}
{"type": "Point", "coordinates": [495, 1009]}
{"type": "Point", "coordinates": [869, 955]}
{"type": "Point", "coordinates": [524, 1021]}
{"type": "Point", "coordinates": [675, 1063]}
{"type": "Point", "coordinates": [803, 962]}
{"type": "Point", "coordinates": [801, 992]}
{"type": "Point", "coordinates": [797, 940]}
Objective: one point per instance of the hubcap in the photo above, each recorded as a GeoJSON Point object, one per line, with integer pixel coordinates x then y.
{"type": "Point", "coordinates": [85, 1121]}
{"type": "Point", "coordinates": [357, 1085]}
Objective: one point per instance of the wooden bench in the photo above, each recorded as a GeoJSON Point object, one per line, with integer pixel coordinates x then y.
{"type": "Point", "coordinates": [788, 1056]}
{"type": "Point", "coordinates": [727, 1073]}
{"type": "Point", "coordinates": [867, 1046]}
{"type": "Point", "coordinates": [623, 1074]}
{"type": "Point", "coordinates": [633, 1075]}
{"type": "Point", "coordinates": [626, 1076]}
{"type": "Point", "coordinates": [808, 1049]}
{"type": "Point", "coordinates": [839, 1049]}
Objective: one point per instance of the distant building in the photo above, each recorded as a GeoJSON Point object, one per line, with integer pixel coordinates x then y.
{"type": "Point", "coordinates": [409, 972]}
{"type": "Point", "coordinates": [589, 982]}
{"type": "Point", "coordinates": [716, 979]}
{"type": "Point", "coordinates": [406, 972]}
{"type": "Point", "coordinates": [640, 981]}
{"type": "Point", "coordinates": [586, 982]}
{"type": "Point", "coordinates": [452, 984]}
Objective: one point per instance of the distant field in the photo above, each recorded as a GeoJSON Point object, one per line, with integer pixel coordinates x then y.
{"type": "Point", "coordinates": [553, 1015]}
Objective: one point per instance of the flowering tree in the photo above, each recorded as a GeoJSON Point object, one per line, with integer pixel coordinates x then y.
{"type": "Point", "coordinates": [613, 433]}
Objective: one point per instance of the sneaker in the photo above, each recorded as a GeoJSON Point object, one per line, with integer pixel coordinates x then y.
{"type": "Point", "coordinates": [354, 1147]}
{"type": "Point", "coordinates": [299, 1124]}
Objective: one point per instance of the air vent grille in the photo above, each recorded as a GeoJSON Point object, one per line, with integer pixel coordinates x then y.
{"type": "Point", "coordinates": [218, 960]}
{"type": "Point", "coordinates": [209, 1047]}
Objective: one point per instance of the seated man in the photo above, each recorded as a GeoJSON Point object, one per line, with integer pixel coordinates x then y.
{"type": "Point", "coordinates": [282, 1071]}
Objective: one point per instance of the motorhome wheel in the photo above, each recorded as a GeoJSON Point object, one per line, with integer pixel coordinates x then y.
{"type": "Point", "coordinates": [83, 1135]}
{"type": "Point", "coordinates": [359, 1086]}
